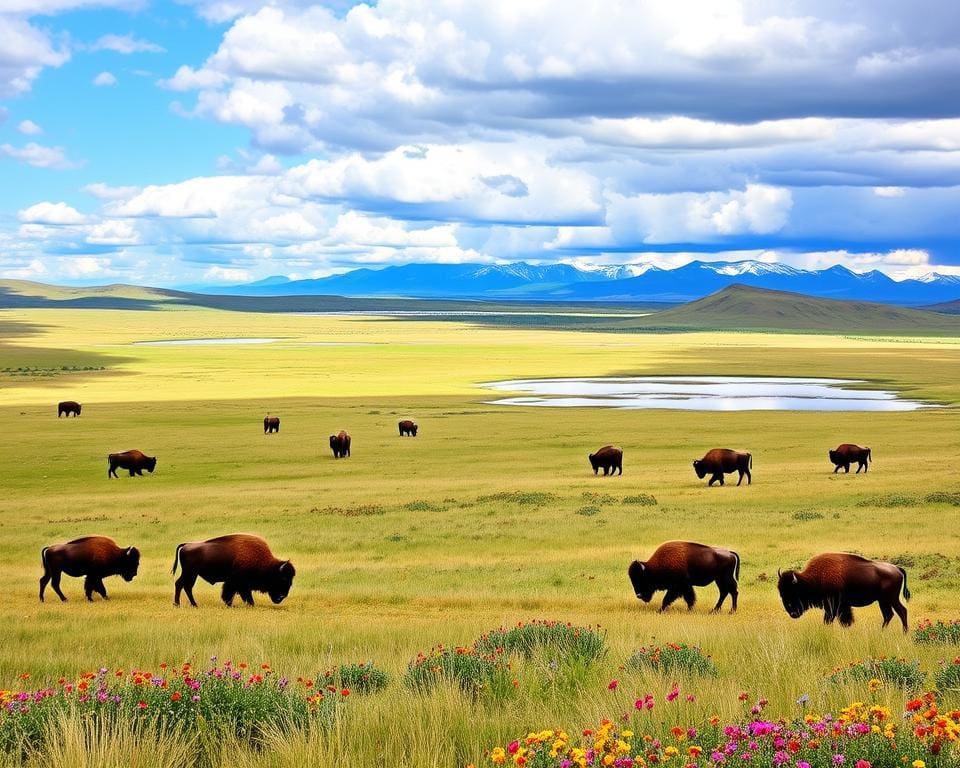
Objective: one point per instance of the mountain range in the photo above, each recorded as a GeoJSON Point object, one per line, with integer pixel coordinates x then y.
{"type": "Point", "coordinates": [563, 282]}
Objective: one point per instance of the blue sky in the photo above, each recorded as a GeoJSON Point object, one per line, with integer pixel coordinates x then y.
{"type": "Point", "coordinates": [220, 141]}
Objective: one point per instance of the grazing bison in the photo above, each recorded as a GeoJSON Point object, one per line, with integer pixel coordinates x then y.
{"type": "Point", "coordinates": [720, 461]}
{"type": "Point", "coordinates": [679, 566]}
{"type": "Point", "coordinates": [408, 427]}
{"type": "Point", "coordinates": [844, 455]}
{"type": "Point", "coordinates": [609, 459]}
{"type": "Point", "coordinates": [340, 445]}
{"type": "Point", "coordinates": [271, 424]}
{"type": "Point", "coordinates": [840, 582]}
{"type": "Point", "coordinates": [67, 407]}
{"type": "Point", "coordinates": [244, 563]}
{"type": "Point", "coordinates": [95, 557]}
{"type": "Point", "coordinates": [132, 461]}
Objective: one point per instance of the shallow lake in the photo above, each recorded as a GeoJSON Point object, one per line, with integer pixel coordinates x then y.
{"type": "Point", "coordinates": [703, 393]}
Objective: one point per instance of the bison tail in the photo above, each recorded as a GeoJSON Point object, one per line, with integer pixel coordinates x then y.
{"type": "Point", "coordinates": [43, 557]}
{"type": "Point", "coordinates": [869, 457]}
{"type": "Point", "coordinates": [750, 457]}
{"type": "Point", "coordinates": [736, 570]}
{"type": "Point", "coordinates": [176, 557]}
{"type": "Point", "coordinates": [906, 590]}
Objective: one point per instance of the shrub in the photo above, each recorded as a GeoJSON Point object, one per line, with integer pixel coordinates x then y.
{"type": "Point", "coordinates": [641, 500]}
{"type": "Point", "coordinates": [947, 677]}
{"type": "Point", "coordinates": [945, 632]}
{"type": "Point", "coordinates": [890, 670]}
{"type": "Point", "coordinates": [422, 506]}
{"type": "Point", "coordinates": [806, 515]}
{"type": "Point", "coordinates": [469, 668]}
{"type": "Point", "coordinates": [523, 498]}
{"type": "Point", "coordinates": [943, 497]}
{"type": "Point", "coordinates": [588, 511]}
{"type": "Point", "coordinates": [364, 677]}
{"type": "Point", "coordinates": [673, 657]}
{"type": "Point", "coordinates": [576, 643]}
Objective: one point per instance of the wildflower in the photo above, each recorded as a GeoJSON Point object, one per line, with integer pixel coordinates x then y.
{"type": "Point", "coordinates": [612, 685]}
{"type": "Point", "coordinates": [802, 701]}
{"type": "Point", "coordinates": [743, 696]}
{"type": "Point", "coordinates": [861, 763]}
{"type": "Point", "coordinates": [874, 685]}
{"type": "Point", "coordinates": [672, 696]}
{"type": "Point", "coordinates": [345, 692]}
{"type": "Point", "coordinates": [141, 704]}
{"type": "Point", "coordinates": [838, 759]}
{"type": "Point", "coordinates": [918, 764]}
{"type": "Point", "coordinates": [175, 696]}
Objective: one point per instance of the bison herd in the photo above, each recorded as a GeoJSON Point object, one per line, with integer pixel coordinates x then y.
{"type": "Point", "coordinates": [244, 564]}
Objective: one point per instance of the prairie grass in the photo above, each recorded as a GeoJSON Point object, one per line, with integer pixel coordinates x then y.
{"type": "Point", "coordinates": [472, 525]}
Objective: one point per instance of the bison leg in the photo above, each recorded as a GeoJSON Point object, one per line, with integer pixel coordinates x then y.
{"type": "Point", "coordinates": [246, 595]}
{"type": "Point", "coordinates": [112, 472]}
{"type": "Point", "coordinates": [44, 580]}
{"type": "Point", "coordinates": [845, 613]}
{"type": "Point", "coordinates": [689, 597]}
{"type": "Point", "coordinates": [185, 583]}
{"type": "Point", "coordinates": [55, 583]}
{"type": "Point", "coordinates": [94, 584]}
{"type": "Point", "coordinates": [619, 469]}
{"type": "Point", "coordinates": [836, 469]}
{"type": "Point", "coordinates": [672, 594]}
{"type": "Point", "coordinates": [887, 612]}
{"type": "Point", "coordinates": [901, 610]}
{"type": "Point", "coordinates": [227, 594]}
{"type": "Point", "coordinates": [846, 468]}
{"type": "Point", "coordinates": [725, 589]}
{"type": "Point", "coordinates": [859, 466]}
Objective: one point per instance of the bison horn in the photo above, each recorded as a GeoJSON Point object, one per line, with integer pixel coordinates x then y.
{"type": "Point", "coordinates": [129, 551]}
{"type": "Point", "coordinates": [778, 573]}
{"type": "Point", "coordinates": [283, 565]}
{"type": "Point", "coordinates": [642, 566]}
{"type": "Point", "coordinates": [795, 579]}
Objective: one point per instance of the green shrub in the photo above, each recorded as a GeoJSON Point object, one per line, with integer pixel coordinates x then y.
{"type": "Point", "coordinates": [364, 677]}
{"type": "Point", "coordinates": [947, 677]}
{"type": "Point", "coordinates": [943, 497]}
{"type": "Point", "coordinates": [672, 657]}
{"type": "Point", "coordinates": [469, 668]}
{"type": "Point", "coordinates": [890, 670]}
{"type": "Point", "coordinates": [806, 515]}
{"type": "Point", "coordinates": [588, 511]}
{"type": "Point", "coordinates": [641, 500]}
{"type": "Point", "coordinates": [942, 632]}
{"type": "Point", "coordinates": [581, 643]}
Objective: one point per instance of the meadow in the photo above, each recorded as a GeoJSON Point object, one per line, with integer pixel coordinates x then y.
{"type": "Point", "coordinates": [489, 517]}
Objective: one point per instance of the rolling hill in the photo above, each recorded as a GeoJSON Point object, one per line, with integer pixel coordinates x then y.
{"type": "Point", "coordinates": [742, 307]}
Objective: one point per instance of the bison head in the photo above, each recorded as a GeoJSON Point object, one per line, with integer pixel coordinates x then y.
{"type": "Point", "coordinates": [129, 563]}
{"type": "Point", "coordinates": [280, 581]}
{"type": "Point", "coordinates": [791, 593]}
{"type": "Point", "coordinates": [413, 429]}
{"type": "Point", "coordinates": [593, 460]}
{"type": "Point", "coordinates": [699, 468]}
{"type": "Point", "coordinates": [79, 408]}
{"type": "Point", "coordinates": [834, 457]}
{"type": "Point", "coordinates": [642, 581]}
{"type": "Point", "coordinates": [334, 442]}
{"type": "Point", "coordinates": [150, 463]}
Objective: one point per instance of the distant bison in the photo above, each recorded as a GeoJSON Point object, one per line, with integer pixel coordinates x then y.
{"type": "Point", "coordinates": [840, 582]}
{"type": "Point", "coordinates": [95, 557]}
{"type": "Point", "coordinates": [340, 445]}
{"type": "Point", "coordinates": [408, 427]}
{"type": "Point", "coordinates": [844, 455]}
{"type": "Point", "coordinates": [720, 461]}
{"type": "Point", "coordinates": [244, 563]}
{"type": "Point", "coordinates": [609, 459]}
{"type": "Point", "coordinates": [132, 461]}
{"type": "Point", "coordinates": [67, 407]}
{"type": "Point", "coordinates": [679, 566]}
{"type": "Point", "coordinates": [271, 424]}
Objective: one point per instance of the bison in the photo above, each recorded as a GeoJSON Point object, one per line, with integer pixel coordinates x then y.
{"type": "Point", "coordinates": [720, 461]}
{"type": "Point", "coordinates": [132, 461]}
{"type": "Point", "coordinates": [271, 424]}
{"type": "Point", "coordinates": [844, 455]}
{"type": "Point", "coordinates": [95, 557]}
{"type": "Point", "coordinates": [609, 459]}
{"type": "Point", "coordinates": [243, 562]}
{"type": "Point", "coordinates": [340, 445]}
{"type": "Point", "coordinates": [67, 407]}
{"type": "Point", "coordinates": [840, 582]}
{"type": "Point", "coordinates": [679, 566]}
{"type": "Point", "coordinates": [408, 427]}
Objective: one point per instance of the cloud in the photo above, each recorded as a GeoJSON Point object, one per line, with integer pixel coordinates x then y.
{"type": "Point", "coordinates": [107, 192]}
{"type": "Point", "coordinates": [889, 191]}
{"type": "Point", "coordinates": [126, 44]}
{"type": "Point", "coordinates": [51, 213]}
{"type": "Point", "coordinates": [29, 128]}
{"type": "Point", "coordinates": [227, 275]}
{"type": "Point", "coordinates": [38, 156]}
{"type": "Point", "coordinates": [26, 51]}
{"type": "Point", "coordinates": [105, 79]}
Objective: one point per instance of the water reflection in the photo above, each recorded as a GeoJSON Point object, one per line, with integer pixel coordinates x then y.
{"type": "Point", "coordinates": [703, 393]}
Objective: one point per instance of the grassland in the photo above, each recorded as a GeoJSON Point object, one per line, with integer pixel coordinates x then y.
{"type": "Point", "coordinates": [490, 516]}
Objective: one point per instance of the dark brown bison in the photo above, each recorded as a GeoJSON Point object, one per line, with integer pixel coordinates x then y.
{"type": "Point", "coordinates": [720, 461]}
{"type": "Point", "coordinates": [840, 582]}
{"type": "Point", "coordinates": [679, 566]}
{"type": "Point", "coordinates": [244, 563]}
{"type": "Point", "coordinates": [408, 427]}
{"type": "Point", "coordinates": [271, 424]}
{"type": "Point", "coordinates": [609, 459]}
{"type": "Point", "coordinates": [67, 407]}
{"type": "Point", "coordinates": [844, 455]}
{"type": "Point", "coordinates": [132, 461]}
{"type": "Point", "coordinates": [340, 445]}
{"type": "Point", "coordinates": [95, 557]}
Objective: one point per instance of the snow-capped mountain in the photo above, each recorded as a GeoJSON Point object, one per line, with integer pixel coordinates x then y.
{"type": "Point", "coordinates": [614, 283]}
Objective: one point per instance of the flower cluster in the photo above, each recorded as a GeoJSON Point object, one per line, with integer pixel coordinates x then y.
{"type": "Point", "coordinates": [945, 632]}
{"type": "Point", "coordinates": [364, 677]}
{"type": "Point", "coordinates": [859, 736]}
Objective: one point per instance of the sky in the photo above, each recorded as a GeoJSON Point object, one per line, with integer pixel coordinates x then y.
{"type": "Point", "coordinates": [205, 142]}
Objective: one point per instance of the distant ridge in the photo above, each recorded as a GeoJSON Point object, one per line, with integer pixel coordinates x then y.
{"type": "Point", "coordinates": [623, 283]}
{"type": "Point", "coordinates": [948, 307]}
{"type": "Point", "coordinates": [742, 307]}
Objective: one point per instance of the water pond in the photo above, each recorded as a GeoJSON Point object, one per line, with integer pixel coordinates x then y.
{"type": "Point", "coordinates": [703, 393]}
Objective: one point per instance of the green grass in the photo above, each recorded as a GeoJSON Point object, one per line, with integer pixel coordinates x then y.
{"type": "Point", "coordinates": [473, 525]}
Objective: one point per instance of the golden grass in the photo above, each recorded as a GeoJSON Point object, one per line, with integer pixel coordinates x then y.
{"type": "Point", "coordinates": [413, 542]}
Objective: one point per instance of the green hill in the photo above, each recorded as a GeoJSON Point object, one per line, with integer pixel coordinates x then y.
{"type": "Point", "coordinates": [741, 307]}
{"type": "Point", "coordinates": [947, 307]}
